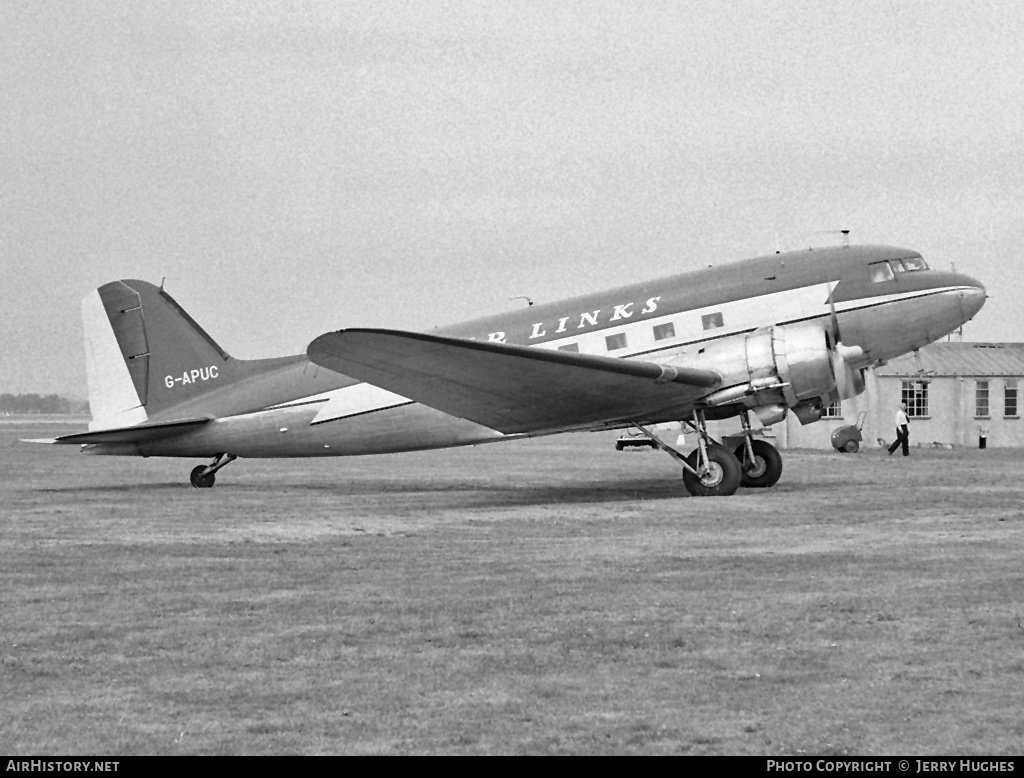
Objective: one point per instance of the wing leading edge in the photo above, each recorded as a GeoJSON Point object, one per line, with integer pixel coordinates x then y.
{"type": "Point", "coordinates": [512, 389]}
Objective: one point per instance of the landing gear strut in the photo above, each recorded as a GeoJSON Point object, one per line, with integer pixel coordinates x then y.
{"type": "Point", "coordinates": [760, 461]}
{"type": "Point", "coordinates": [203, 477]}
{"type": "Point", "coordinates": [711, 470]}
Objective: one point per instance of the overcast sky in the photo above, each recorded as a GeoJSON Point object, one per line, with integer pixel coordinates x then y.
{"type": "Point", "coordinates": [292, 168]}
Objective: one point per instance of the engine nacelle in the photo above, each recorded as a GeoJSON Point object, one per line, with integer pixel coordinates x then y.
{"type": "Point", "coordinates": [786, 365]}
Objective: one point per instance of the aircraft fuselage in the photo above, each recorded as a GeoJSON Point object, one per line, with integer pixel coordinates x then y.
{"type": "Point", "coordinates": [887, 302]}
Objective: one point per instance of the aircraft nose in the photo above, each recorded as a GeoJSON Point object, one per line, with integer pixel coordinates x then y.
{"type": "Point", "coordinates": [972, 297]}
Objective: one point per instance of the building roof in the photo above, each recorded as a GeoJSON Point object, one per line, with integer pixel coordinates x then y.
{"type": "Point", "coordinates": [960, 359]}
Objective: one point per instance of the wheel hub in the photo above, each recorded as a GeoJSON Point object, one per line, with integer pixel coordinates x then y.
{"type": "Point", "coordinates": [757, 468]}
{"type": "Point", "coordinates": [712, 474]}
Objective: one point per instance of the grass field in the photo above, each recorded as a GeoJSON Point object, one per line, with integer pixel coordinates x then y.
{"type": "Point", "coordinates": [548, 596]}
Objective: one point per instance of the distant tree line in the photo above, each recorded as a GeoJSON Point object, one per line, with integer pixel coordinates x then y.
{"type": "Point", "coordinates": [34, 403]}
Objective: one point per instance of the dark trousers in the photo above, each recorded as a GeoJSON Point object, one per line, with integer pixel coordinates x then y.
{"type": "Point", "coordinates": [902, 438]}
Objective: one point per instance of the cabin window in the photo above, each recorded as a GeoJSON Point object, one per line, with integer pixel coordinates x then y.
{"type": "Point", "coordinates": [833, 411]}
{"type": "Point", "coordinates": [664, 331]}
{"type": "Point", "coordinates": [570, 347]}
{"type": "Point", "coordinates": [880, 271]}
{"type": "Point", "coordinates": [981, 399]}
{"type": "Point", "coordinates": [615, 342]}
{"type": "Point", "coordinates": [914, 263]}
{"type": "Point", "coordinates": [712, 321]}
{"type": "Point", "coordinates": [915, 395]}
{"type": "Point", "coordinates": [1010, 398]}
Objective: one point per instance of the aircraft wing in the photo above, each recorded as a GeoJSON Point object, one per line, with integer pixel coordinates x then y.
{"type": "Point", "coordinates": [143, 433]}
{"type": "Point", "coordinates": [510, 388]}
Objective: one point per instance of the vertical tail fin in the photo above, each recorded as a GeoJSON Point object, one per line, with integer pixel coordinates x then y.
{"type": "Point", "coordinates": [144, 354]}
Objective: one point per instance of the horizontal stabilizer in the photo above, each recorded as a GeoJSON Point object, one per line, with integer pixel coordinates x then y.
{"type": "Point", "coordinates": [506, 387]}
{"type": "Point", "coordinates": [143, 433]}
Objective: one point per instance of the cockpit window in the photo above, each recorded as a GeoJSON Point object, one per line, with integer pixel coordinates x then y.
{"type": "Point", "coordinates": [885, 271]}
{"type": "Point", "coordinates": [880, 271]}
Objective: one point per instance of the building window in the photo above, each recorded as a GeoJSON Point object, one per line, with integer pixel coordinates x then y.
{"type": "Point", "coordinates": [570, 347]}
{"type": "Point", "coordinates": [664, 331]}
{"type": "Point", "coordinates": [615, 342]}
{"type": "Point", "coordinates": [833, 411]}
{"type": "Point", "coordinates": [981, 399]}
{"type": "Point", "coordinates": [712, 321]}
{"type": "Point", "coordinates": [915, 395]}
{"type": "Point", "coordinates": [1010, 397]}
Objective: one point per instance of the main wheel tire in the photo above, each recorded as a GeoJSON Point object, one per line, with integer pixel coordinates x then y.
{"type": "Point", "coordinates": [723, 476]}
{"type": "Point", "coordinates": [200, 481]}
{"type": "Point", "coordinates": [851, 447]}
{"type": "Point", "coordinates": [766, 467]}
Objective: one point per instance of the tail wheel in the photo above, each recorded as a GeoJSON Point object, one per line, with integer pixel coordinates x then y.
{"type": "Point", "coordinates": [200, 481]}
{"type": "Point", "coordinates": [721, 478]}
{"type": "Point", "coordinates": [766, 468]}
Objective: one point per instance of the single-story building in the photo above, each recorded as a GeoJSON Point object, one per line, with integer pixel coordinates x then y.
{"type": "Point", "coordinates": [957, 394]}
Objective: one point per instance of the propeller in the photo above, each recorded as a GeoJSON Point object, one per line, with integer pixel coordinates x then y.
{"type": "Point", "coordinates": [849, 380]}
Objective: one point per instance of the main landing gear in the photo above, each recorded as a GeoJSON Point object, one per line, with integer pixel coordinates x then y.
{"type": "Point", "coordinates": [711, 470]}
{"type": "Point", "coordinates": [203, 475]}
{"type": "Point", "coordinates": [760, 460]}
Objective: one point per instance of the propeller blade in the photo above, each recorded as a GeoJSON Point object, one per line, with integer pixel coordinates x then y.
{"type": "Point", "coordinates": [835, 319]}
{"type": "Point", "coordinates": [849, 379]}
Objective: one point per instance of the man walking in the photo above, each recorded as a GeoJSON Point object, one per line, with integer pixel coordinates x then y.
{"type": "Point", "coordinates": [902, 431]}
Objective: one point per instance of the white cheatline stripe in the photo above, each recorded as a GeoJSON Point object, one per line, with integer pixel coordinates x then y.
{"type": "Point", "coordinates": [357, 400]}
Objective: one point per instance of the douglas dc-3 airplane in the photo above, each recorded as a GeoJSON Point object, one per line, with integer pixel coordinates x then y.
{"type": "Point", "coordinates": [786, 332]}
